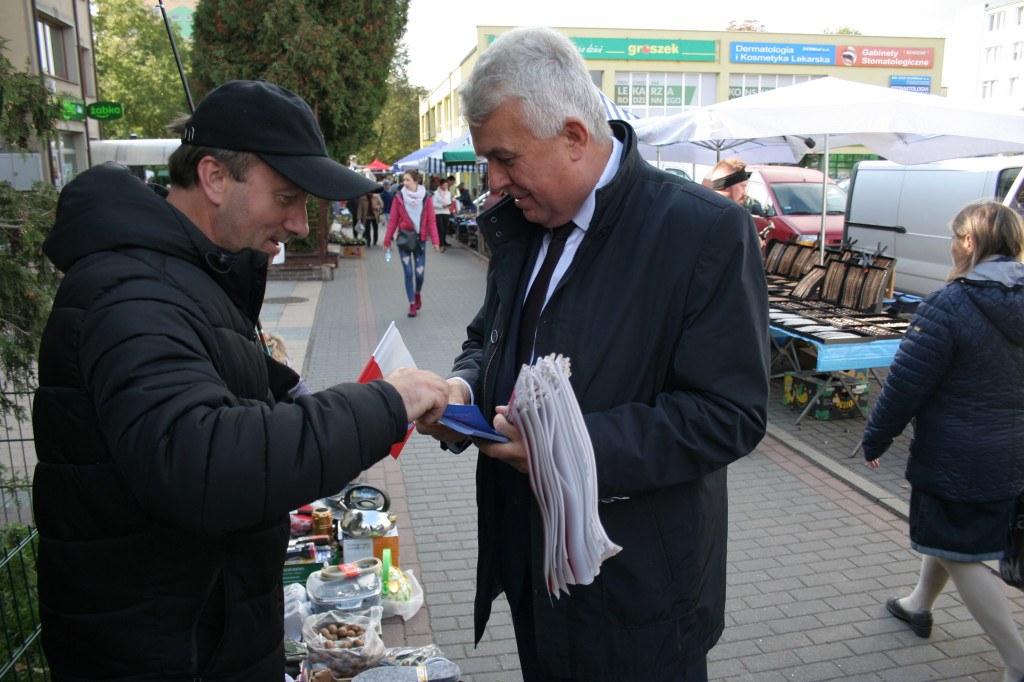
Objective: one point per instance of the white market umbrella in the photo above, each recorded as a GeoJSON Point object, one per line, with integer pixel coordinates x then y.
{"type": "Point", "coordinates": [905, 127]}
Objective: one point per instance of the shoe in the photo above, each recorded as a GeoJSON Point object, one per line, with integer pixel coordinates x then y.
{"type": "Point", "coordinates": [919, 621]}
{"type": "Point", "coordinates": [412, 310]}
{"type": "Point", "coordinates": [419, 301]}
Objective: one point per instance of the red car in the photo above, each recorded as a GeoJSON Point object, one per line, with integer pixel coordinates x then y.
{"type": "Point", "coordinates": [787, 199]}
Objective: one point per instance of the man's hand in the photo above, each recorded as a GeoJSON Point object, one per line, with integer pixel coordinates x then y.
{"type": "Point", "coordinates": [513, 452]}
{"type": "Point", "coordinates": [458, 394]}
{"type": "Point", "coordinates": [424, 394]}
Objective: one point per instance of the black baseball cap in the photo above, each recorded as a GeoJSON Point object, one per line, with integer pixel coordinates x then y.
{"type": "Point", "coordinates": [278, 126]}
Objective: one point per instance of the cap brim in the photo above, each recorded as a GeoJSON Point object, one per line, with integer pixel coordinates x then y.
{"type": "Point", "coordinates": [322, 177]}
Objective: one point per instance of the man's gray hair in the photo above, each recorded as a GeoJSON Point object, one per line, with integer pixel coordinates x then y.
{"type": "Point", "coordinates": [542, 70]}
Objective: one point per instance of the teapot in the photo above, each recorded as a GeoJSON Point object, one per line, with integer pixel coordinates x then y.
{"type": "Point", "coordinates": [367, 517]}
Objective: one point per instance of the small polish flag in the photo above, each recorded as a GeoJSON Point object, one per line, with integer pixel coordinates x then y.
{"type": "Point", "coordinates": [390, 354]}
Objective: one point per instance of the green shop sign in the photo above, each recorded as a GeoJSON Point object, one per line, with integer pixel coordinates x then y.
{"type": "Point", "coordinates": [650, 50]}
{"type": "Point", "coordinates": [72, 110]}
{"type": "Point", "coordinates": [105, 111]}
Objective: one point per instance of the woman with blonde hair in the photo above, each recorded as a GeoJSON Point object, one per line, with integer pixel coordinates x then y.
{"type": "Point", "coordinates": [411, 211]}
{"type": "Point", "coordinates": [959, 374]}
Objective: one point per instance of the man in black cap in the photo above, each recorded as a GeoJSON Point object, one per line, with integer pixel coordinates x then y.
{"type": "Point", "coordinates": [169, 452]}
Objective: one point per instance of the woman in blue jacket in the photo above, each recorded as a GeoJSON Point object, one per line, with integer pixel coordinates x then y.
{"type": "Point", "coordinates": [959, 373]}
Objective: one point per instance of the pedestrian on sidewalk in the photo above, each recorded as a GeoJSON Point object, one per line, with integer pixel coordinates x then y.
{"type": "Point", "coordinates": [442, 199]}
{"type": "Point", "coordinates": [653, 287]}
{"type": "Point", "coordinates": [169, 450]}
{"type": "Point", "coordinates": [368, 213]}
{"type": "Point", "coordinates": [411, 212]}
{"type": "Point", "coordinates": [386, 197]}
{"type": "Point", "coordinates": [959, 374]}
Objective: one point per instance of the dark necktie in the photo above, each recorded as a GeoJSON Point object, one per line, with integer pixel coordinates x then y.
{"type": "Point", "coordinates": [535, 299]}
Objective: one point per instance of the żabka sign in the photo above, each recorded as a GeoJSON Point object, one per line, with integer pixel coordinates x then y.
{"type": "Point", "coordinates": [105, 111]}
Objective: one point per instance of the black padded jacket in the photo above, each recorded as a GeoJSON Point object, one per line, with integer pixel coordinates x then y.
{"type": "Point", "coordinates": [166, 467]}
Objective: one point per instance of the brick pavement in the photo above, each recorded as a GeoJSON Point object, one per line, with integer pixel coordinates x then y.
{"type": "Point", "coordinates": [816, 542]}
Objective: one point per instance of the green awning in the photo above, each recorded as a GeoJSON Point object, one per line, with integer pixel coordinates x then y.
{"type": "Point", "coordinates": [461, 155]}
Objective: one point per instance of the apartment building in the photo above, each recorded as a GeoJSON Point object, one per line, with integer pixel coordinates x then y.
{"type": "Point", "coordinates": [54, 38]}
{"type": "Point", "coordinates": [659, 72]}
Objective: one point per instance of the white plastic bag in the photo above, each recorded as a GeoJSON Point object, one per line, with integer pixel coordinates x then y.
{"type": "Point", "coordinates": [296, 610]}
{"type": "Point", "coordinates": [347, 656]}
{"type": "Point", "coordinates": [405, 595]}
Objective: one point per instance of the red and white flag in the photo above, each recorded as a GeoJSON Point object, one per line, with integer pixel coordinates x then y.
{"type": "Point", "coordinates": [390, 354]}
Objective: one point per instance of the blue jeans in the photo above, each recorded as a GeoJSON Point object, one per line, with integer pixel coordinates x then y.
{"type": "Point", "coordinates": [420, 254]}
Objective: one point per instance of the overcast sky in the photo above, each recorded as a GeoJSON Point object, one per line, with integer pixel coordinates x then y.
{"type": "Point", "coordinates": [440, 35]}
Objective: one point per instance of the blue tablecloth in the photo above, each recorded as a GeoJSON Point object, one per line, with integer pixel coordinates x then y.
{"type": "Point", "coordinates": [833, 357]}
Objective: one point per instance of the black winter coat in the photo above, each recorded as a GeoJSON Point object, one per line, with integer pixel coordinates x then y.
{"type": "Point", "coordinates": [663, 314]}
{"type": "Point", "coordinates": [959, 372]}
{"type": "Point", "coordinates": [166, 467]}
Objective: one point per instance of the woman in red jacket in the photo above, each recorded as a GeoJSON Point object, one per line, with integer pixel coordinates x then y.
{"type": "Point", "coordinates": [410, 211]}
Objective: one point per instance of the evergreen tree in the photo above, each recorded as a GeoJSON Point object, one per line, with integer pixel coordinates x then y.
{"type": "Point", "coordinates": [27, 111]}
{"type": "Point", "coordinates": [336, 54]}
{"type": "Point", "coordinates": [135, 66]}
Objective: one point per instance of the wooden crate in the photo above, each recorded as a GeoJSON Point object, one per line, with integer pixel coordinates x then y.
{"type": "Point", "coordinates": [353, 251]}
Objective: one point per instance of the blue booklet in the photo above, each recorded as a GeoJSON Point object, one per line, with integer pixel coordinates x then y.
{"type": "Point", "coordinates": [467, 419]}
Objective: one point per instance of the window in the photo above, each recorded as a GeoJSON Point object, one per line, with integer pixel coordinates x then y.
{"type": "Point", "coordinates": [995, 21]}
{"type": "Point", "coordinates": [742, 84]}
{"type": "Point", "coordinates": [1020, 16]}
{"type": "Point", "coordinates": [659, 93]}
{"type": "Point", "coordinates": [51, 49]}
{"type": "Point", "coordinates": [992, 54]}
{"type": "Point", "coordinates": [988, 89]}
{"type": "Point", "coordinates": [1018, 51]}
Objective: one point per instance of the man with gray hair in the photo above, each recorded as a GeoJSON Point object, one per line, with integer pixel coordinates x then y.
{"type": "Point", "coordinates": [653, 288]}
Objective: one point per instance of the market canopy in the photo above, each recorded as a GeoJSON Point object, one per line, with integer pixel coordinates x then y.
{"type": "Point", "coordinates": [456, 155]}
{"type": "Point", "coordinates": [905, 127]}
{"type": "Point", "coordinates": [377, 165]}
{"type": "Point", "coordinates": [413, 160]}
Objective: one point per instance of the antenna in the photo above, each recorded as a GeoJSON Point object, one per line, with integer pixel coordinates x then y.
{"type": "Point", "coordinates": [177, 57]}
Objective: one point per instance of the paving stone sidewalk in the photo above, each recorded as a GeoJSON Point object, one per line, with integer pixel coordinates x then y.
{"type": "Point", "coordinates": [817, 541]}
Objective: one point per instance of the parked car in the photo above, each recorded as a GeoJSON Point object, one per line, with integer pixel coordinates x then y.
{"type": "Point", "coordinates": [786, 201]}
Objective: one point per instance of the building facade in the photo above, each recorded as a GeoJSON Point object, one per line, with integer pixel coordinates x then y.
{"type": "Point", "coordinates": [54, 38]}
{"type": "Point", "coordinates": [660, 72]}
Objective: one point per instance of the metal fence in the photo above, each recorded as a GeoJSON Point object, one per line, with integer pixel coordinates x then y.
{"type": "Point", "coordinates": [21, 657]}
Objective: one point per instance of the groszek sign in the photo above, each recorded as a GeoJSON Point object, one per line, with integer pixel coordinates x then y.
{"type": "Point", "coordinates": [105, 111]}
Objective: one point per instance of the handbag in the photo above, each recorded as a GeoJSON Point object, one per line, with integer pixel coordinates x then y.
{"type": "Point", "coordinates": [407, 240]}
{"type": "Point", "coordinates": [1011, 566]}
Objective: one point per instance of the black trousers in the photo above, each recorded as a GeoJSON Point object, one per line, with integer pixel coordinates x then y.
{"type": "Point", "coordinates": [529, 662]}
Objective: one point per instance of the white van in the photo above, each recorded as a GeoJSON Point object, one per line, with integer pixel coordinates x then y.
{"type": "Point", "coordinates": [905, 211]}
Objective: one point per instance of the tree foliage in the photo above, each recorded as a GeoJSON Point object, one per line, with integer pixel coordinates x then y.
{"type": "Point", "coordinates": [27, 280]}
{"type": "Point", "coordinates": [842, 31]}
{"type": "Point", "coordinates": [27, 108]}
{"type": "Point", "coordinates": [750, 25]}
{"type": "Point", "coordinates": [135, 66]}
{"type": "Point", "coordinates": [334, 53]}
{"type": "Point", "coordinates": [396, 132]}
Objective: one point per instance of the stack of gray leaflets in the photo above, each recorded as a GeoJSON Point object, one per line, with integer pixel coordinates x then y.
{"type": "Point", "coordinates": [563, 474]}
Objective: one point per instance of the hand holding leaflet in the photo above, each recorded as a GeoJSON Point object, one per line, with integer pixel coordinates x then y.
{"type": "Point", "coordinates": [468, 420]}
{"type": "Point", "coordinates": [563, 474]}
